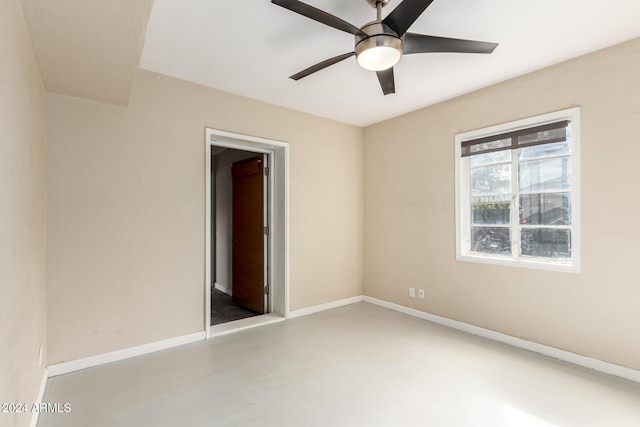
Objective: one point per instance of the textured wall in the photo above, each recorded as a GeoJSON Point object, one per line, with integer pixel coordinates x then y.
{"type": "Point", "coordinates": [410, 216]}
{"type": "Point", "coordinates": [22, 153]}
{"type": "Point", "coordinates": [126, 215]}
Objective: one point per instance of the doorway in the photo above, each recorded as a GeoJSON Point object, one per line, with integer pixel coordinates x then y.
{"type": "Point", "coordinates": [259, 168]}
{"type": "Point", "coordinates": [239, 218]}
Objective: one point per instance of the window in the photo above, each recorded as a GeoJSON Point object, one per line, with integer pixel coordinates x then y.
{"type": "Point", "coordinates": [517, 193]}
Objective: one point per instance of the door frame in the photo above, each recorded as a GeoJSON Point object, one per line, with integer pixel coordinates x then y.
{"type": "Point", "coordinates": [278, 206]}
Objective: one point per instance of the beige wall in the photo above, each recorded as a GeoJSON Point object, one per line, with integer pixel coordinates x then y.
{"type": "Point", "coordinates": [410, 224]}
{"type": "Point", "coordinates": [22, 293]}
{"type": "Point", "coordinates": [126, 211]}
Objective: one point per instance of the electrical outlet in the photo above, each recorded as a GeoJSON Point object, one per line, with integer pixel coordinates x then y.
{"type": "Point", "coordinates": [412, 292]}
{"type": "Point", "coordinates": [40, 356]}
{"type": "Point", "coordinates": [421, 293]}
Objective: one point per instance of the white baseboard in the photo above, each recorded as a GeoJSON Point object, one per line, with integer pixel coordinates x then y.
{"type": "Point", "coordinates": [222, 288]}
{"type": "Point", "coordinates": [576, 359]}
{"type": "Point", "coordinates": [43, 385]}
{"type": "Point", "coordinates": [114, 356]}
{"type": "Point", "coordinates": [322, 307]}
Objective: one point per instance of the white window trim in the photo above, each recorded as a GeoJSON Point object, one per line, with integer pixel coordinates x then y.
{"type": "Point", "coordinates": [462, 194]}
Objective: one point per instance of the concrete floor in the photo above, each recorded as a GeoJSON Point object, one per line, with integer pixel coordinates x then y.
{"type": "Point", "coordinates": [359, 365]}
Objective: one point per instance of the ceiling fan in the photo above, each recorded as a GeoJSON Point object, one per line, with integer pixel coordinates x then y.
{"type": "Point", "coordinates": [380, 44]}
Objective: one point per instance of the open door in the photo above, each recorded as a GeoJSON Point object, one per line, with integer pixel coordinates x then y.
{"type": "Point", "coordinates": [249, 233]}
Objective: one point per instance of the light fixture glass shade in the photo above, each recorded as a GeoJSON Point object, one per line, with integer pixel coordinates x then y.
{"type": "Point", "coordinates": [379, 58]}
{"type": "Point", "coordinates": [379, 52]}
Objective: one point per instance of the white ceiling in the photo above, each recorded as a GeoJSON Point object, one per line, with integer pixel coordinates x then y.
{"type": "Point", "coordinates": [250, 47]}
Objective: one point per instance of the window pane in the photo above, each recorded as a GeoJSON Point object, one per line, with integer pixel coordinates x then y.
{"type": "Point", "coordinates": [491, 240]}
{"type": "Point", "coordinates": [491, 210]}
{"type": "Point", "coordinates": [491, 180]}
{"type": "Point", "coordinates": [487, 158]}
{"type": "Point", "coordinates": [546, 242]}
{"type": "Point", "coordinates": [545, 150]}
{"type": "Point", "coordinates": [545, 175]}
{"type": "Point", "coordinates": [545, 209]}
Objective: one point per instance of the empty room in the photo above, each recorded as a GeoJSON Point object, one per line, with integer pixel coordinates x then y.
{"type": "Point", "coordinates": [319, 213]}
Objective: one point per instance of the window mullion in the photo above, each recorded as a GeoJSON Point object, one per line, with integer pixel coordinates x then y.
{"type": "Point", "coordinates": [466, 214]}
{"type": "Point", "coordinates": [515, 205]}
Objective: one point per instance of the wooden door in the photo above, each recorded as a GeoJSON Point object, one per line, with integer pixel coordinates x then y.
{"type": "Point", "coordinates": [247, 272]}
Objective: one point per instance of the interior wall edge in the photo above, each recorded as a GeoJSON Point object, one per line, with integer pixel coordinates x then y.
{"type": "Point", "coordinates": [23, 350]}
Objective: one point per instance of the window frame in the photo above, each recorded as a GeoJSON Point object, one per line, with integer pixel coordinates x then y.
{"type": "Point", "coordinates": [463, 196]}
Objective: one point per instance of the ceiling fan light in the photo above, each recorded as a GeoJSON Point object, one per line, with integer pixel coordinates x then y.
{"type": "Point", "coordinates": [379, 58]}
{"type": "Point", "coordinates": [379, 52]}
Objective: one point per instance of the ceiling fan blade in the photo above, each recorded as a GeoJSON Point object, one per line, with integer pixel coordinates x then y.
{"type": "Point", "coordinates": [387, 82]}
{"type": "Point", "coordinates": [321, 65]}
{"type": "Point", "coordinates": [421, 43]}
{"type": "Point", "coordinates": [401, 18]}
{"type": "Point", "coordinates": [317, 15]}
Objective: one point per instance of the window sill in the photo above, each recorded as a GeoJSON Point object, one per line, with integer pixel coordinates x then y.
{"type": "Point", "coordinates": [573, 267]}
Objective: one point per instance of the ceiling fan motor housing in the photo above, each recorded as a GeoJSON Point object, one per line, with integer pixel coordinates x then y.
{"type": "Point", "coordinates": [377, 35]}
